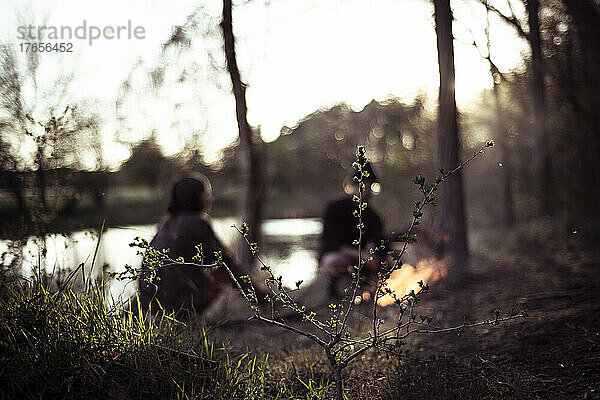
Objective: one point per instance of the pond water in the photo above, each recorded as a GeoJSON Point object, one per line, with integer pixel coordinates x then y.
{"type": "Point", "coordinates": [290, 247]}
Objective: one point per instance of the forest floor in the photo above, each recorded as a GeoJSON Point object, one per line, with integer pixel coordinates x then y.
{"type": "Point", "coordinates": [553, 354]}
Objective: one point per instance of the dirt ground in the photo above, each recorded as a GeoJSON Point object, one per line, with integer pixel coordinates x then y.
{"type": "Point", "coordinates": [553, 354]}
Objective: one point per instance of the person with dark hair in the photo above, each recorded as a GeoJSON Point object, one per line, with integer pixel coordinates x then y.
{"type": "Point", "coordinates": [186, 226]}
{"type": "Point", "coordinates": [338, 252]}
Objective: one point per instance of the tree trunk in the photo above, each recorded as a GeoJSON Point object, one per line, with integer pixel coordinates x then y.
{"type": "Point", "coordinates": [508, 216]}
{"type": "Point", "coordinates": [508, 212]}
{"type": "Point", "coordinates": [250, 156]}
{"type": "Point", "coordinates": [339, 388]}
{"type": "Point", "coordinates": [451, 226]}
{"type": "Point", "coordinates": [586, 18]}
{"type": "Point", "coordinates": [541, 160]}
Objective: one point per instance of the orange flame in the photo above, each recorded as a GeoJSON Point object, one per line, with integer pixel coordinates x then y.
{"type": "Point", "coordinates": [403, 280]}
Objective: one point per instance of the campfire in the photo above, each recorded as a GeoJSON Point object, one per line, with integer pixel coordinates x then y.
{"type": "Point", "coordinates": [405, 279]}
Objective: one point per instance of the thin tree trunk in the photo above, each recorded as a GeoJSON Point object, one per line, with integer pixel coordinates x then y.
{"type": "Point", "coordinates": [541, 168]}
{"type": "Point", "coordinates": [501, 134]}
{"type": "Point", "coordinates": [250, 155]}
{"type": "Point", "coordinates": [541, 160]}
{"type": "Point", "coordinates": [508, 216]}
{"type": "Point", "coordinates": [339, 388]}
{"type": "Point", "coordinates": [450, 223]}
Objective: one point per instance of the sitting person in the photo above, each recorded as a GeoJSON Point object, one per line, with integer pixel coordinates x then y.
{"type": "Point", "coordinates": [338, 253]}
{"type": "Point", "coordinates": [187, 225]}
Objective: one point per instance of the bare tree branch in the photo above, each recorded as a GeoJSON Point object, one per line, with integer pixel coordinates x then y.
{"type": "Point", "coordinates": [510, 19]}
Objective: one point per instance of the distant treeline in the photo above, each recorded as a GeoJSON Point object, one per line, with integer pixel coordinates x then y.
{"type": "Point", "coordinates": [69, 186]}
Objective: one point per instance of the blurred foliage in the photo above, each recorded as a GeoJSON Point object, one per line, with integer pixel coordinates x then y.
{"type": "Point", "coordinates": [45, 140]}
{"type": "Point", "coordinates": [147, 165]}
{"type": "Point", "coordinates": [571, 61]}
{"type": "Point", "coordinates": [573, 125]}
{"type": "Point", "coordinates": [308, 163]}
{"type": "Point", "coordinates": [572, 84]}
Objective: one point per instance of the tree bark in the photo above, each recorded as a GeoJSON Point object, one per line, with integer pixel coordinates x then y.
{"type": "Point", "coordinates": [451, 226]}
{"type": "Point", "coordinates": [541, 160]}
{"type": "Point", "coordinates": [586, 18]}
{"type": "Point", "coordinates": [339, 388]}
{"type": "Point", "coordinates": [250, 156]}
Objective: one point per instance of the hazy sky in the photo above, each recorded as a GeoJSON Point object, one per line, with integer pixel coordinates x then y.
{"type": "Point", "coordinates": [296, 55]}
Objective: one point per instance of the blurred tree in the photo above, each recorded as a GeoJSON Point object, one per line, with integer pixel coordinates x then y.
{"type": "Point", "coordinates": [35, 135]}
{"type": "Point", "coordinates": [12, 125]}
{"type": "Point", "coordinates": [541, 159]}
{"type": "Point", "coordinates": [580, 83]}
{"type": "Point", "coordinates": [175, 82]}
{"type": "Point", "coordinates": [502, 136]}
{"type": "Point", "coordinates": [148, 166]}
{"type": "Point", "coordinates": [399, 140]}
{"type": "Point", "coordinates": [250, 147]}
{"type": "Point", "coordinates": [540, 155]}
{"type": "Point", "coordinates": [500, 129]}
{"type": "Point", "coordinates": [252, 155]}
{"type": "Point", "coordinates": [55, 144]}
{"type": "Point", "coordinates": [450, 222]}
{"type": "Point", "coordinates": [571, 58]}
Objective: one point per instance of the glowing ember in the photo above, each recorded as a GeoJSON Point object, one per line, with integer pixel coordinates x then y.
{"type": "Point", "coordinates": [404, 280]}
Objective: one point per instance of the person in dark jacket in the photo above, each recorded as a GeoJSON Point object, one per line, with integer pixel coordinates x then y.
{"type": "Point", "coordinates": [338, 251]}
{"type": "Point", "coordinates": [187, 225]}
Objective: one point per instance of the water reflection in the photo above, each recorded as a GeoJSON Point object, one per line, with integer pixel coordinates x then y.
{"type": "Point", "coordinates": [290, 247]}
{"type": "Point", "coordinates": [292, 227]}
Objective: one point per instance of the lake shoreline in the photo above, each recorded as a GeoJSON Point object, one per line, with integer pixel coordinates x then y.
{"type": "Point", "coordinates": [18, 226]}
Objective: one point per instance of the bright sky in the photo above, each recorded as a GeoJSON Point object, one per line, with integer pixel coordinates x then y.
{"type": "Point", "coordinates": [296, 55]}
